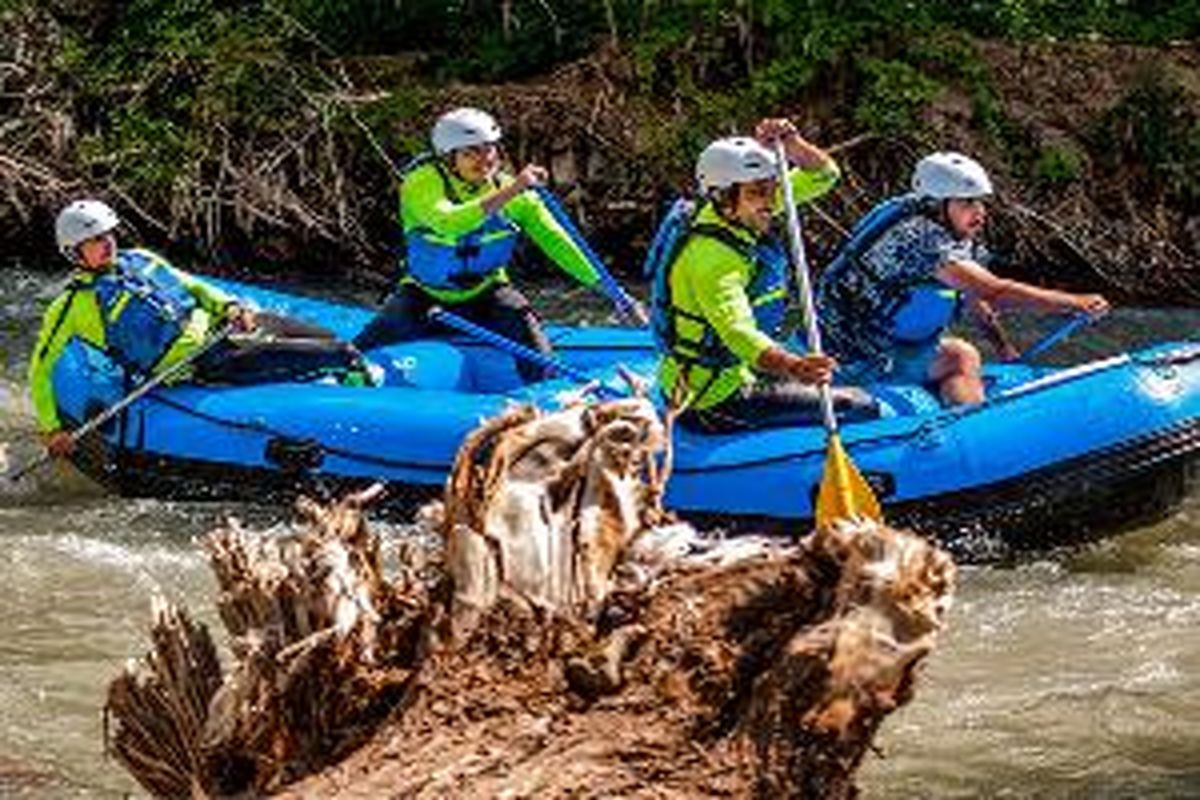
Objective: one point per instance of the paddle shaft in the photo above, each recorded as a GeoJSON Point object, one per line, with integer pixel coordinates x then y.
{"type": "Point", "coordinates": [125, 402]}
{"type": "Point", "coordinates": [843, 492]}
{"type": "Point", "coordinates": [621, 298]}
{"type": "Point", "coordinates": [515, 349]}
{"type": "Point", "coordinates": [804, 284]}
{"type": "Point", "coordinates": [1074, 323]}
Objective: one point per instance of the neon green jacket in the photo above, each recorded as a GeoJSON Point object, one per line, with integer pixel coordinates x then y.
{"type": "Point", "coordinates": [424, 204]}
{"type": "Point", "coordinates": [76, 313]}
{"type": "Point", "coordinates": [709, 279]}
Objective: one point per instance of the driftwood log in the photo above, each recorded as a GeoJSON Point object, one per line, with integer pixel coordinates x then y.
{"type": "Point", "coordinates": [561, 637]}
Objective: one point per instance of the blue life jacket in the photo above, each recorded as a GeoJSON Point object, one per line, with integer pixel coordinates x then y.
{"type": "Point", "coordinates": [439, 262]}
{"type": "Point", "coordinates": [905, 311]}
{"type": "Point", "coordinates": [767, 290]}
{"type": "Point", "coordinates": [144, 308]}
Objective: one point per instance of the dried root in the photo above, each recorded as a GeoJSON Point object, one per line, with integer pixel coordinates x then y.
{"type": "Point", "coordinates": [157, 708]}
{"type": "Point", "coordinates": [323, 647]}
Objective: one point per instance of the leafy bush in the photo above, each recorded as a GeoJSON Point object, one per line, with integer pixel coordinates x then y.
{"type": "Point", "coordinates": [168, 98]}
{"type": "Point", "coordinates": [1057, 165]}
{"type": "Point", "coordinates": [894, 96]}
{"type": "Point", "coordinates": [1157, 126]}
{"type": "Point", "coordinates": [1147, 21]}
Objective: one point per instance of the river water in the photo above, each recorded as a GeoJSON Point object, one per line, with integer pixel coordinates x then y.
{"type": "Point", "coordinates": [1073, 675]}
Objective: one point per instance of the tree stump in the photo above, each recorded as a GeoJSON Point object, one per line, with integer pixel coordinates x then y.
{"type": "Point", "coordinates": [564, 638]}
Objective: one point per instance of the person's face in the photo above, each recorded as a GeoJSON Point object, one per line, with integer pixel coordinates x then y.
{"type": "Point", "coordinates": [477, 163]}
{"type": "Point", "coordinates": [966, 217]}
{"type": "Point", "coordinates": [755, 204]}
{"type": "Point", "coordinates": [98, 252]}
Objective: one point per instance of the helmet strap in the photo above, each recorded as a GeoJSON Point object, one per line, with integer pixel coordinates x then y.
{"type": "Point", "coordinates": [450, 162]}
{"type": "Point", "coordinates": [943, 211]}
{"type": "Point", "coordinates": [725, 201]}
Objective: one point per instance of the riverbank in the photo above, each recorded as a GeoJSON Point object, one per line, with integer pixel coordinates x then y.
{"type": "Point", "coordinates": [255, 146]}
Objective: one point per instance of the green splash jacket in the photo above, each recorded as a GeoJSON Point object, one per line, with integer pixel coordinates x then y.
{"type": "Point", "coordinates": [709, 279]}
{"type": "Point", "coordinates": [425, 204]}
{"type": "Point", "coordinates": [76, 313]}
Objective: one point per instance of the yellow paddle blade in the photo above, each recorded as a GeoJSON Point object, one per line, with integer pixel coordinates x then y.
{"type": "Point", "coordinates": [844, 493]}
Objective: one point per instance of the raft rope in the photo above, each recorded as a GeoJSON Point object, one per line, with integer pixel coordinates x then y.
{"type": "Point", "coordinates": [263, 428]}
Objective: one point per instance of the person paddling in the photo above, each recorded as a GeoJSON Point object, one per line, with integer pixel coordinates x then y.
{"type": "Point", "coordinates": [887, 298]}
{"type": "Point", "coordinates": [720, 292]}
{"type": "Point", "coordinates": [462, 216]}
{"type": "Point", "coordinates": [148, 316]}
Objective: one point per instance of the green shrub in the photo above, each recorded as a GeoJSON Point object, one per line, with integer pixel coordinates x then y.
{"type": "Point", "coordinates": [1147, 21]}
{"type": "Point", "coordinates": [1157, 126]}
{"type": "Point", "coordinates": [782, 79]}
{"type": "Point", "coordinates": [989, 116]}
{"type": "Point", "coordinates": [1057, 165]}
{"type": "Point", "coordinates": [161, 90]}
{"type": "Point", "coordinates": [894, 96]}
{"type": "Point", "coordinates": [950, 56]}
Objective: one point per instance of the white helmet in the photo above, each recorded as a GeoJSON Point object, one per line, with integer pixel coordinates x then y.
{"type": "Point", "coordinates": [737, 159]}
{"type": "Point", "coordinates": [944, 176]}
{"type": "Point", "coordinates": [464, 127]}
{"type": "Point", "coordinates": [80, 221]}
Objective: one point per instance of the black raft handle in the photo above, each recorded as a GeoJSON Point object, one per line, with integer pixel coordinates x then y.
{"type": "Point", "coordinates": [294, 455]}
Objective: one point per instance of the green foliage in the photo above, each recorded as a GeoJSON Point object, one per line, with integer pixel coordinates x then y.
{"type": "Point", "coordinates": [719, 42]}
{"type": "Point", "coordinates": [989, 116]}
{"type": "Point", "coordinates": [212, 59]}
{"type": "Point", "coordinates": [72, 57]}
{"type": "Point", "coordinates": [949, 55]}
{"type": "Point", "coordinates": [1057, 165]}
{"type": "Point", "coordinates": [145, 151]}
{"type": "Point", "coordinates": [400, 119]}
{"type": "Point", "coordinates": [480, 41]}
{"type": "Point", "coordinates": [894, 96]}
{"type": "Point", "coordinates": [656, 70]}
{"type": "Point", "coordinates": [1156, 125]}
{"type": "Point", "coordinates": [1147, 21]}
{"type": "Point", "coordinates": [160, 87]}
{"type": "Point", "coordinates": [783, 78]}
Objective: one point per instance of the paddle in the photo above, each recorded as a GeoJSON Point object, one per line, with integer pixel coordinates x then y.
{"type": "Point", "coordinates": [1073, 323]}
{"type": "Point", "coordinates": [116, 408]}
{"type": "Point", "coordinates": [518, 350]}
{"type": "Point", "coordinates": [623, 301]}
{"type": "Point", "coordinates": [843, 493]}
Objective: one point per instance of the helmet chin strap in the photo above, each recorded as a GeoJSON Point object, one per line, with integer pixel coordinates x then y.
{"type": "Point", "coordinates": [944, 211]}
{"type": "Point", "coordinates": [452, 165]}
{"type": "Point", "coordinates": [724, 201]}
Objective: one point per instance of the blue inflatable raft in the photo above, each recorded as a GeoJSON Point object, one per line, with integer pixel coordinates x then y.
{"type": "Point", "coordinates": [1055, 456]}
